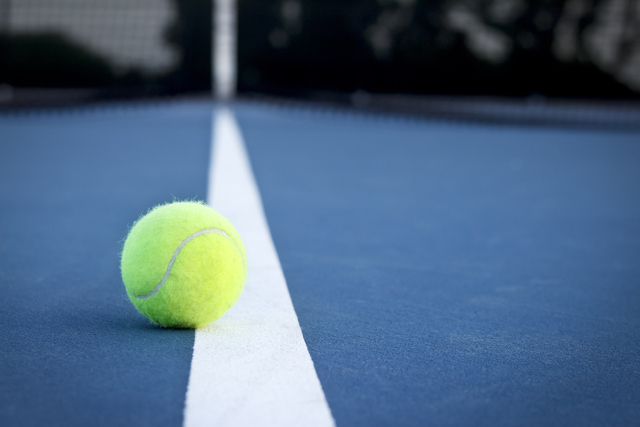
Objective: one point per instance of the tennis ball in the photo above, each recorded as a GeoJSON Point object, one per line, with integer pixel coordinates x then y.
{"type": "Point", "coordinates": [183, 265]}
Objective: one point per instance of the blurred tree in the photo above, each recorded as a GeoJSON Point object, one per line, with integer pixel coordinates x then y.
{"type": "Point", "coordinates": [51, 60]}
{"type": "Point", "coordinates": [630, 34]}
{"type": "Point", "coordinates": [473, 47]}
{"type": "Point", "coordinates": [31, 58]}
{"type": "Point", "coordinates": [190, 34]}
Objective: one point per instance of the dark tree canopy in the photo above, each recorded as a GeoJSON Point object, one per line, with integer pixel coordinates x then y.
{"type": "Point", "coordinates": [471, 47]}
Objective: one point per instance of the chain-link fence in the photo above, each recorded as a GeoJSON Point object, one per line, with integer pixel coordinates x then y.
{"type": "Point", "coordinates": [515, 48]}
{"type": "Point", "coordinates": [559, 48]}
{"type": "Point", "coordinates": [110, 48]}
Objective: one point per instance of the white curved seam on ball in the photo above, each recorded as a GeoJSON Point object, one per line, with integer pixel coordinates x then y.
{"type": "Point", "coordinates": [175, 255]}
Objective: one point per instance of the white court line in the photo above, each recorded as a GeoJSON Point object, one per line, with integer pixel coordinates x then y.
{"type": "Point", "coordinates": [252, 366]}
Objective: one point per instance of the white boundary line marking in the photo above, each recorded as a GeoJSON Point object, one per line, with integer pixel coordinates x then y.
{"type": "Point", "coordinates": [251, 367]}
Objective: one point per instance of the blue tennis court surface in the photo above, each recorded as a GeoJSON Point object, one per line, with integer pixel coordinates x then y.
{"type": "Point", "coordinates": [73, 351]}
{"type": "Point", "coordinates": [443, 273]}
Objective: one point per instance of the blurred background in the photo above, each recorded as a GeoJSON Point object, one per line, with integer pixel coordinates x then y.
{"type": "Point", "coordinates": [61, 51]}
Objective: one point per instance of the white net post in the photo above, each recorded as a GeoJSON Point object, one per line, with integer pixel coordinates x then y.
{"type": "Point", "coordinates": [224, 49]}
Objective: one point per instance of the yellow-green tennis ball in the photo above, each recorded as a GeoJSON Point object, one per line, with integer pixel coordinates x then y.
{"type": "Point", "coordinates": [183, 264]}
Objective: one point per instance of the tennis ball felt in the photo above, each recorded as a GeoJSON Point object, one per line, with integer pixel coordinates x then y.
{"type": "Point", "coordinates": [183, 264]}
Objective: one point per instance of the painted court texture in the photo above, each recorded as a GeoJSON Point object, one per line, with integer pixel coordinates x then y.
{"type": "Point", "coordinates": [442, 273]}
